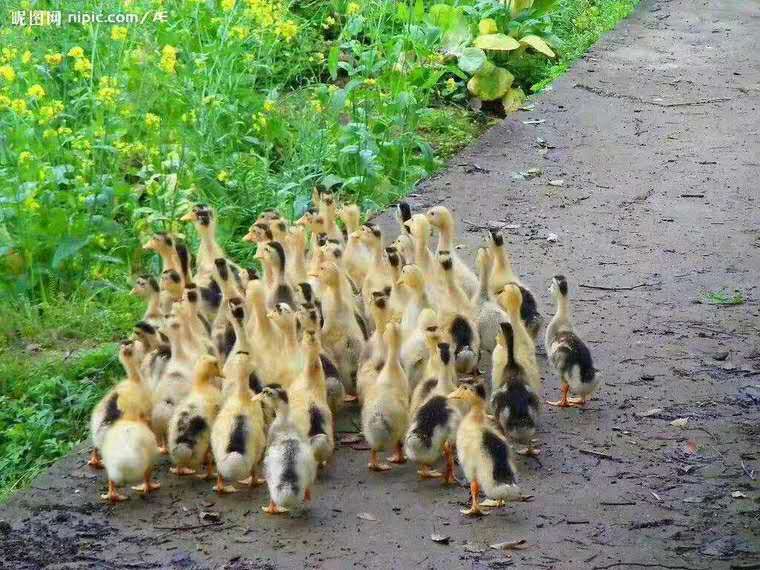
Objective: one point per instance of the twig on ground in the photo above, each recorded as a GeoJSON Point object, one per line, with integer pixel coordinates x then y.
{"type": "Point", "coordinates": [644, 565]}
{"type": "Point", "coordinates": [598, 454]}
{"type": "Point", "coordinates": [749, 472]}
{"type": "Point", "coordinates": [603, 288]}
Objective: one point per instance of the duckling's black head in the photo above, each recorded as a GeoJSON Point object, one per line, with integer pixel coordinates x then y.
{"type": "Point", "coordinates": [192, 296]}
{"type": "Point", "coordinates": [252, 274]}
{"type": "Point", "coordinates": [561, 284]}
{"type": "Point", "coordinates": [276, 392]}
{"type": "Point", "coordinates": [221, 268]}
{"type": "Point", "coordinates": [444, 350]}
{"type": "Point", "coordinates": [280, 251]}
{"type": "Point", "coordinates": [264, 227]}
{"type": "Point", "coordinates": [497, 238]}
{"type": "Point", "coordinates": [172, 276]}
{"type": "Point", "coordinates": [203, 214]}
{"type": "Point", "coordinates": [405, 211]}
{"type": "Point", "coordinates": [143, 328]}
{"type": "Point", "coordinates": [307, 291]}
{"type": "Point", "coordinates": [446, 261]}
{"type": "Point", "coordinates": [151, 282]}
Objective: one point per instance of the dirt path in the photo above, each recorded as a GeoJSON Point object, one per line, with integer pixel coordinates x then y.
{"type": "Point", "coordinates": [656, 136]}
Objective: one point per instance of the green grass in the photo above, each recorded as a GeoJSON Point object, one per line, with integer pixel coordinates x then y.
{"type": "Point", "coordinates": [724, 298]}
{"type": "Point", "coordinates": [246, 123]}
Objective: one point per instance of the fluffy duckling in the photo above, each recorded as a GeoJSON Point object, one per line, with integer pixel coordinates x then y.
{"type": "Point", "coordinates": [355, 255]}
{"type": "Point", "coordinates": [434, 423]}
{"type": "Point", "coordinates": [308, 401]}
{"type": "Point", "coordinates": [286, 371]}
{"type": "Point", "coordinates": [567, 352]}
{"type": "Point", "coordinates": [515, 405]}
{"type": "Point", "coordinates": [342, 336]}
{"type": "Point", "coordinates": [416, 350]}
{"type": "Point", "coordinates": [156, 353]}
{"type": "Point", "coordinates": [273, 260]}
{"type": "Point", "coordinates": [328, 210]}
{"type": "Point", "coordinates": [241, 350]}
{"type": "Point", "coordinates": [439, 367]}
{"type": "Point", "coordinates": [373, 356]}
{"type": "Point", "coordinates": [295, 259]}
{"type": "Point", "coordinates": [412, 282]}
{"type": "Point", "coordinates": [385, 413]}
{"type": "Point", "coordinates": [457, 317]}
{"type": "Point", "coordinates": [146, 288]}
{"type": "Point", "coordinates": [502, 273]}
{"type": "Point", "coordinates": [289, 464]}
{"type": "Point", "coordinates": [259, 232]}
{"type": "Point", "coordinates": [238, 436]}
{"type": "Point", "coordinates": [483, 453]}
{"type": "Point", "coordinates": [265, 338]}
{"type": "Point", "coordinates": [171, 290]}
{"type": "Point", "coordinates": [442, 220]}
{"type": "Point", "coordinates": [489, 314]}
{"type": "Point", "coordinates": [174, 256]}
{"type": "Point", "coordinates": [129, 394]}
{"type": "Point", "coordinates": [510, 299]}
{"type": "Point", "coordinates": [190, 426]}
{"type": "Point", "coordinates": [379, 275]}
{"type": "Point", "coordinates": [130, 451]}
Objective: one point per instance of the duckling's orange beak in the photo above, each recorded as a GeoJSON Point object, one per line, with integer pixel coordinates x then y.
{"type": "Point", "coordinates": [257, 397]}
{"type": "Point", "coordinates": [189, 217]}
{"type": "Point", "coordinates": [250, 237]}
{"type": "Point", "coordinates": [133, 291]}
{"type": "Point", "coordinates": [456, 394]}
{"type": "Point", "coordinates": [149, 245]}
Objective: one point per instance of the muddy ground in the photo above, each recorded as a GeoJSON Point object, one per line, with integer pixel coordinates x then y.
{"type": "Point", "coordinates": [656, 137]}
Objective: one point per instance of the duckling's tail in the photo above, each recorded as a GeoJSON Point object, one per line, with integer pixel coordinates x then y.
{"type": "Point", "coordinates": [419, 449]}
{"type": "Point", "coordinates": [233, 466]}
{"type": "Point", "coordinates": [181, 453]}
{"type": "Point", "coordinates": [322, 446]}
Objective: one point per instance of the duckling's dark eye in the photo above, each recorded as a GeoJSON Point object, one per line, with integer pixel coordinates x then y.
{"type": "Point", "coordinates": [432, 329]}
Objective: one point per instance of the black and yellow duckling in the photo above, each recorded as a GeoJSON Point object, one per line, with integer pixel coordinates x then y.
{"type": "Point", "coordinates": [568, 354]}
{"type": "Point", "coordinates": [515, 404]}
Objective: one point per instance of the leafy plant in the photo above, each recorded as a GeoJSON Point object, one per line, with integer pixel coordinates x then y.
{"type": "Point", "coordinates": [724, 297]}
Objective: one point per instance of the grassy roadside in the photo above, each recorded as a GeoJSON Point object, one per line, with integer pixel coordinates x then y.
{"type": "Point", "coordinates": [57, 354]}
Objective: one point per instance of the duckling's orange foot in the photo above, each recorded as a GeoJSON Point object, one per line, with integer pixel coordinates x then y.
{"type": "Point", "coordinates": [563, 403]}
{"type": "Point", "coordinates": [221, 488]}
{"type": "Point", "coordinates": [147, 487]}
{"type": "Point", "coordinates": [272, 509]}
{"type": "Point", "coordinates": [379, 466]}
{"type": "Point", "coordinates": [350, 398]}
{"type": "Point", "coordinates": [95, 461]}
{"type": "Point", "coordinates": [398, 457]}
{"type": "Point", "coordinates": [253, 481]}
{"type": "Point", "coordinates": [578, 402]}
{"type": "Point", "coordinates": [428, 473]}
{"type": "Point", "coordinates": [182, 471]}
{"type": "Point", "coordinates": [473, 512]}
{"type": "Point", "coordinates": [529, 451]}
{"type": "Point", "coordinates": [163, 450]}
{"type": "Point", "coordinates": [113, 495]}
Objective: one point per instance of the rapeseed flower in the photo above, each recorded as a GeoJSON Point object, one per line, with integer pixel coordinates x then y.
{"type": "Point", "coordinates": [19, 106]}
{"type": "Point", "coordinates": [76, 52]}
{"type": "Point", "coordinates": [36, 91]}
{"type": "Point", "coordinates": [169, 59]}
{"type": "Point", "coordinates": [7, 73]}
{"type": "Point", "coordinates": [25, 157]}
{"type": "Point", "coordinates": [223, 176]}
{"type": "Point", "coordinates": [269, 106]}
{"type": "Point", "coordinates": [26, 58]}
{"type": "Point", "coordinates": [54, 59]}
{"type": "Point", "coordinates": [118, 33]}
{"type": "Point", "coordinates": [83, 66]}
{"type": "Point", "coordinates": [228, 5]}
{"type": "Point", "coordinates": [353, 8]}
{"type": "Point", "coordinates": [152, 121]}
{"type": "Point", "coordinates": [287, 30]}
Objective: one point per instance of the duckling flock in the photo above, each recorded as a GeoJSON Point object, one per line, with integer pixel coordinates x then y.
{"type": "Point", "coordinates": [245, 373]}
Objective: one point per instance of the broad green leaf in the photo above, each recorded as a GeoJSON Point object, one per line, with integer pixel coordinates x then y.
{"type": "Point", "coordinates": [471, 60]}
{"type": "Point", "coordinates": [487, 26]}
{"type": "Point", "coordinates": [497, 42]}
{"type": "Point", "coordinates": [68, 247]}
{"type": "Point", "coordinates": [332, 62]}
{"type": "Point", "coordinates": [419, 10]}
{"type": "Point", "coordinates": [513, 100]}
{"type": "Point", "coordinates": [517, 6]}
{"type": "Point", "coordinates": [540, 7]}
{"type": "Point", "coordinates": [537, 44]}
{"type": "Point", "coordinates": [492, 86]}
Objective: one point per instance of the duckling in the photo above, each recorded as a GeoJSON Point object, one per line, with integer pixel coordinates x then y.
{"type": "Point", "coordinates": [515, 405]}
{"type": "Point", "coordinates": [295, 245]}
{"type": "Point", "coordinates": [373, 356]}
{"type": "Point", "coordinates": [434, 423]}
{"type": "Point", "coordinates": [203, 219]}
{"type": "Point", "coordinates": [356, 255]}
{"type": "Point", "coordinates": [222, 330]}
{"type": "Point", "coordinates": [567, 352]}
{"type": "Point", "coordinates": [171, 290]}
{"type": "Point", "coordinates": [289, 464]}
{"type": "Point", "coordinates": [259, 232]}
{"type": "Point", "coordinates": [156, 354]}
{"type": "Point", "coordinates": [457, 317]}
{"type": "Point", "coordinates": [190, 426]}
{"type": "Point", "coordinates": [315, 224]}
{"type": "Point", "coordinates": [130, 451]}
{"type": "Point", "coordinates": [342, 336]}
{"type": "Point", "coordinates": [483, 453]}
{"type": "Point", "coordinates": [174, 384]}
{"type": "Point", "coordinates": [197, 323]}
{"type": "Point", "coordinates": [265, 338]}
{"type": "Point", "coordinates": [379, 275]}
{"type": "Point", "coordinates": [418, 227]}
{"type": "Point", "coordinates": [308, 401]}
{"type": "Point", "coordinates": [241, 350]}
{"type": "Point", "coordinates": [273, 260]}
{"type": "Point", "coordinates": [237, 436]}
{"type": "Point", "coordinates": [510, 299]}
{"type": "Point", "coordinates": [385, 413]}
{"type": "Point", "coordinates": [286, 371]}
{"type": "Point", "coordinates": [416, 350]}
{"type": "Point", "coordinates": [129, 394]}
{"type": "Point", "coordinates": [328, 210]}
{"type": "Point", "coordinates": [412, 282]}
{"type": "Point", "coordinates": [146, 288]}
{"type": "Point", "coordinates": [489, 314]}
{"type": "Point", "coordinates": [442, 220]}
{"type": "Point", "coordinates": [166, 247]}
{"type": "Point", "coordinates": [502, 273]}
{"type": "Point", "coordinates": [439, 369]}
{"type": "Point", "coordinates": [397, 295]}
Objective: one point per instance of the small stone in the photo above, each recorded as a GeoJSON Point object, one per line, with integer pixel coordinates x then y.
{"type": "Point", "coordinates": [720, 356]}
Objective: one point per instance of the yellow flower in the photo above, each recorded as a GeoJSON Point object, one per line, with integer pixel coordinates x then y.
{"type": "Point", "coordinates": [269, 106]}
{"type": "Point", "coordinates": [451, 85]}
{"type": "Point", "coordinates": [8, 54]}
{"type": "Point", "coordinates": [76, 52]}
{"type": "Point", "coordinates": [168, 59]}
{"type": "Point", "coordinates": [7, 73]}
{"type": "Point", "coordinates": [50, 112]}
{"type": "Point", "coordinates": [329, 21]}
{"type": "Point", "coordinates": [100, 240]}
{"type": "Point", "coordinates": [54, 59]}
{"type": "Point", "coordinates": [223, 176]}
{"type": "Point", "coordinates": [316, 104]}
{"type": "Point", "coordinates": [287, 30]}
{"type": "Point", "coordinates": [36, 91]}
{"type": "Point", "coordinates": [318, 57]}
{"type": "Point", "coordinates": [26, 57]}
{"type": "Point", "coordinates": [118, 33]}
{"type": "Point", "coordinates": [370, 82]}
{"type": "Point", "coordinates": [5, 101]}
{"type": "Point", "coordinates": [108, 92]}
{"type": "Point", "coordinates": [241, 32]}
{"type": "Point", "coordinates": [19, 106]}
{"type": "Point", "coordinates": [189, 118]}
{"type": "Point", "coordinates": [152, 121]}
{"type": "Point", "coordinates": [31, 204]}
{"type": "Point", "coordinates": [49, 134]}
{"type": "Point", "coordinates": [83, 66]}
{"type": "Point", "coordinates": [353, 8]}
{"type": "Point", "coordinates": [228, 5]}
{"type": "Point", "coordinates": [25, 157]}
{"type": "Point", "coordinates": [259, 121]}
